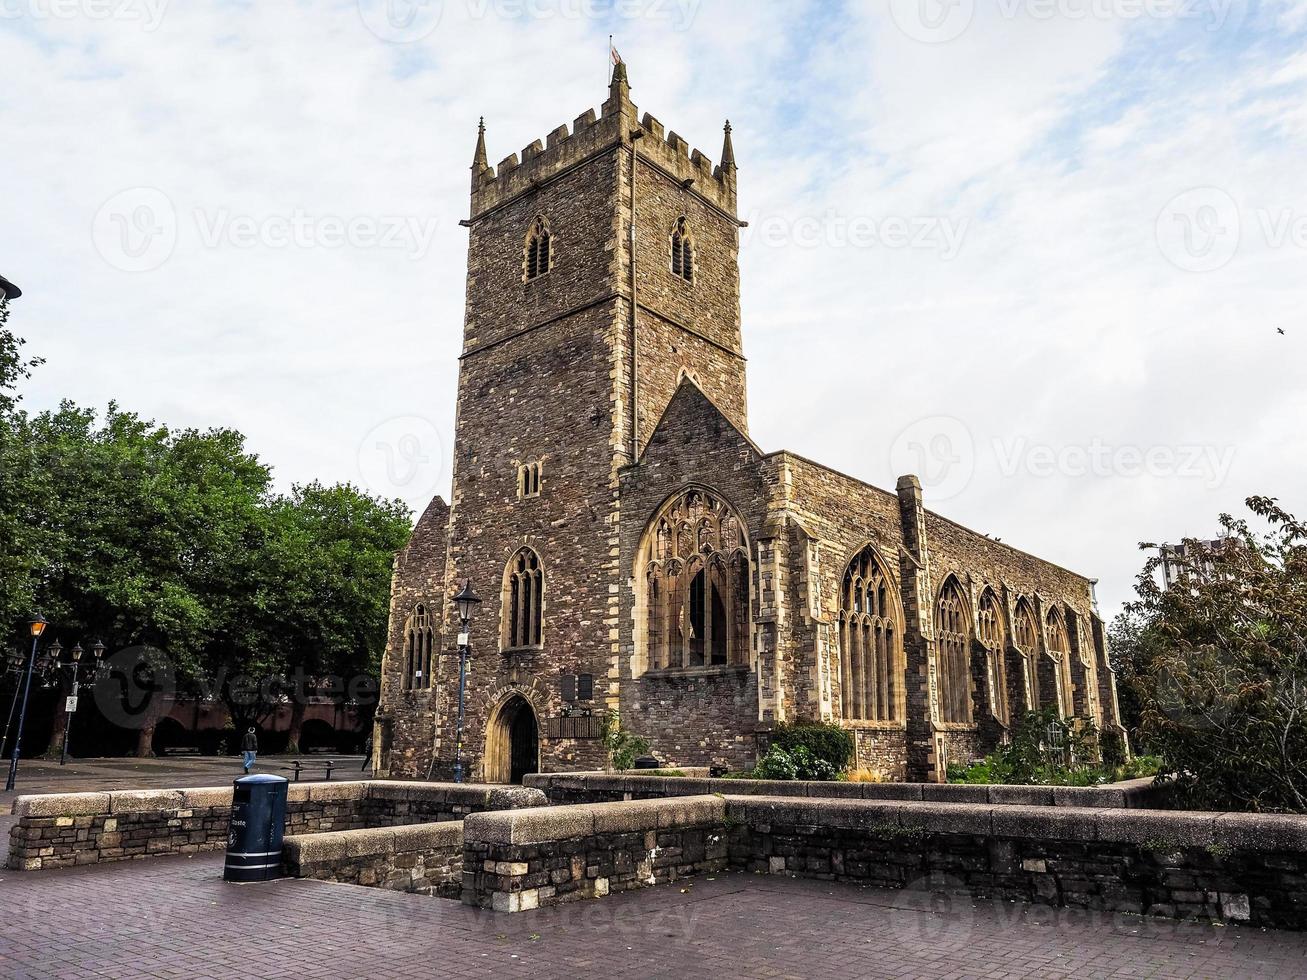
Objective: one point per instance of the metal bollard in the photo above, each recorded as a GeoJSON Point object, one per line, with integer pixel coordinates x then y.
{"type": "Point", "coordinates": [329, 765]}
{"type": "Point", "coordinates": [297, 770]}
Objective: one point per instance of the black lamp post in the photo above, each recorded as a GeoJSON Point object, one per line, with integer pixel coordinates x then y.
{"type": "Point", "coordinates": [466, 600]}
{"type": "Point", "coordinates": [36, 627]}
{"type": "Point", "coordinates": [68, 715]}
{"type": "Point", "coordinates": [15, 662]}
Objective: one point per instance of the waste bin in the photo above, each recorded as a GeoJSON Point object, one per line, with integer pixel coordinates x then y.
{"type": "Point", "coordinates": [258, 820]}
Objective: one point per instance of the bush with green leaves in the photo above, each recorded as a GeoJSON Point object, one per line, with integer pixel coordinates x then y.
{"type": "Point", "coordinates": [829, 746]}
{"type": "Point", "coordinates": [623, 747]}
{"type": "Point", "coordinates": [1048, 750]}
{"type": "Point", "coordinates": [1218, 665]}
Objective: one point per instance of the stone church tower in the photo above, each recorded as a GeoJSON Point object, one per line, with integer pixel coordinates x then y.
{"type": "Point", "coordinates": [635, 551]}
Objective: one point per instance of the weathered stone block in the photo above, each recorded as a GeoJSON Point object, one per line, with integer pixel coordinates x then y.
{"type": "Point", "coordinates": [61, 804]}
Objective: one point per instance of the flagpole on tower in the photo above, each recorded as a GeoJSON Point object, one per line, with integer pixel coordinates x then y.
{"type": "Point", "coordinates": [611, 49]}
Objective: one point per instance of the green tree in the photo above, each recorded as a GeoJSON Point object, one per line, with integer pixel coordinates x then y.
{"type": "Point", "coordinates": [20, 551]}
{"type": "Point", "coordinates": [1221, 662]}
{"type": "Point", "coordinates": [324, 594]}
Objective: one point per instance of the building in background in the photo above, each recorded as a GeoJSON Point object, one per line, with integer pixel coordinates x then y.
{"type": "Point", "coordinates": [638, 553]}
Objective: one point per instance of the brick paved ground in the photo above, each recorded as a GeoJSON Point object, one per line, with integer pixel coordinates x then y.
{"type": "Point", "coordinates": [101, 775]}
{"type": "Point", "coordinates": [175, 918]}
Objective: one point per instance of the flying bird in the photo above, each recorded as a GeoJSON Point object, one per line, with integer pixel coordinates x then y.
{"type": "Point", "coordinates": [1280, 331]}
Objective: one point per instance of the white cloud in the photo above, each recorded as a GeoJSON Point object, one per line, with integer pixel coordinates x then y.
{"type": "Point", "coordinates": [1053, 143]}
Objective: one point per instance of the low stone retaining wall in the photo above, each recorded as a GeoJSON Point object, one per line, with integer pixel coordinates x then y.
{"type": "Point", "coordinates": [425, 858]}
{"type": "Point", "coordinates": [1220, 866]}
{"type": "Point", "coordinates": [604, 788]}
{"type": "Point", "coordinates": [1231, 866]}
{"type": "Point", "coordinates": [59, 830]}
{"type": "Point", "coordinates": [525, 859]}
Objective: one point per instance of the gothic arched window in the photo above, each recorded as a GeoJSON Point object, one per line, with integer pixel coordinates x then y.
{"type": "Point", "coordinates": [696, 584]}
{"type": "Point", "coordinates": [419, 641]}
{"type": "Point", "coordinates": [1026, 637]}
{"type": "Point", "coordinates": [953, 645]}
{"type": "Point", "coordinates": [871, 642]}
{"type": "Point", "coordinates": [523, 601]}
{"type": "Point", "coordinates": [1059, 651]}
{"type": "Point", "coordinates": [682, 250]}
{"type": "Point", "coordinates": [538, 251]}
{"type": "Point", "coordinates": [989, 631]}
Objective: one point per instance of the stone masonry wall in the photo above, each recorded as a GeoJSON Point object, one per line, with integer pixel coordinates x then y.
{"type": "Point", "coordinates": [546, 398]}
{"type": "Point", "coordinates": [697, 715]}
{"type": "Point", "coordinates": [1238, 867]}
{"type": "Point", "coordinates": [60, 830]}
{"type": "Point", "coordinates": [426, 859]}
{"type": "Point", "coordinates": [405, 720]}
{"type": "Point", "coordinates": [516, 862]}
{"type": "Point", "coordinates": [566, 788]}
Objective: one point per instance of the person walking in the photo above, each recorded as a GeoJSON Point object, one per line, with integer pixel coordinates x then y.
{"type": "Point", "coordinates": [250, 747]}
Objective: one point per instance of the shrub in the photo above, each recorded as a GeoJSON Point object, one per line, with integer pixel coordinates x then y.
{"type": "Point", "coordinates": [776, 764]}
{"type": "Point", "coordinates": [1221, 666]}
{"type": "Point", "coordinates": [622, 746]}
{"type": "Point", "coordinates": [829, 746]}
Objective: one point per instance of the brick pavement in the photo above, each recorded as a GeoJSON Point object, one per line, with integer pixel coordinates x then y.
{"type": "Point", "coordinates": [174, 917]}
{"type": "Point", "coordinates": [101, 775]}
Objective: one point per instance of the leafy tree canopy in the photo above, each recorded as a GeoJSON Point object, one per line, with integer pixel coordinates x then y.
{"type": "Point", "coordinates": [1217, 665]}
{"type": "Point", "coordinates": [123, 529]}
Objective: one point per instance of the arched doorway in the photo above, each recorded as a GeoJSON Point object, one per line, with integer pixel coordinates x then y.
{"type": "Point", "coordinates": [512, 742]}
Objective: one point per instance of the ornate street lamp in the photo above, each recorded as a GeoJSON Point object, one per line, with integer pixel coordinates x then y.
{"type": "Point", "coordinates": [8, 290]}
{"type": "Point", "coordinates": [466, 600]}
{"type": "Point", "coordinates": [36, 627]}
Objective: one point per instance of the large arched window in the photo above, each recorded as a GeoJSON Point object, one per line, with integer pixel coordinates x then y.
{"type": "Point", "coordinates": [418, 644]}
{"type": "Point", "coordinates": [523, 601]}
{"type": "Point", "coordinates": [1025, 635]}
{"type": "Point", "coordinates": [1060, 653]}
{"type": "Point", "coordinates": [696, 577]}
{"type": "Point", "coordinates": [682, 250]}
{"type": "Point", "coordinates": [989, 630]}
{"type": "Point", "coordinates": [871, 642]}
{"type": "Point", "coordinates": [953, 645]}
{"type": "Point", "coordinates": [538, 249]}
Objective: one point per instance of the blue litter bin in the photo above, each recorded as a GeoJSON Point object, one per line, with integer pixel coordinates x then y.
{"type": "Point", "coordinates": [258, 821]}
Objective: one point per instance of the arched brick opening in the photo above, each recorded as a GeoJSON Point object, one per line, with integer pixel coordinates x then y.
{"type": "Point", "coordinates": [512, 741]}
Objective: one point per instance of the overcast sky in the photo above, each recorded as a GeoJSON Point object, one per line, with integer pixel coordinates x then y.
{"type": "Point", "coordinates": [1036, 251]}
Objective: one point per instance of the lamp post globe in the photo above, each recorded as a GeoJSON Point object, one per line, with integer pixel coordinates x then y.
{"type": "Point", "coordinates": [466, 600]}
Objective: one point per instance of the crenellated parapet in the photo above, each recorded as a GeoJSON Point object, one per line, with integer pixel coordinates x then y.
{"type": "Point", "coordinates": [618, 124]}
